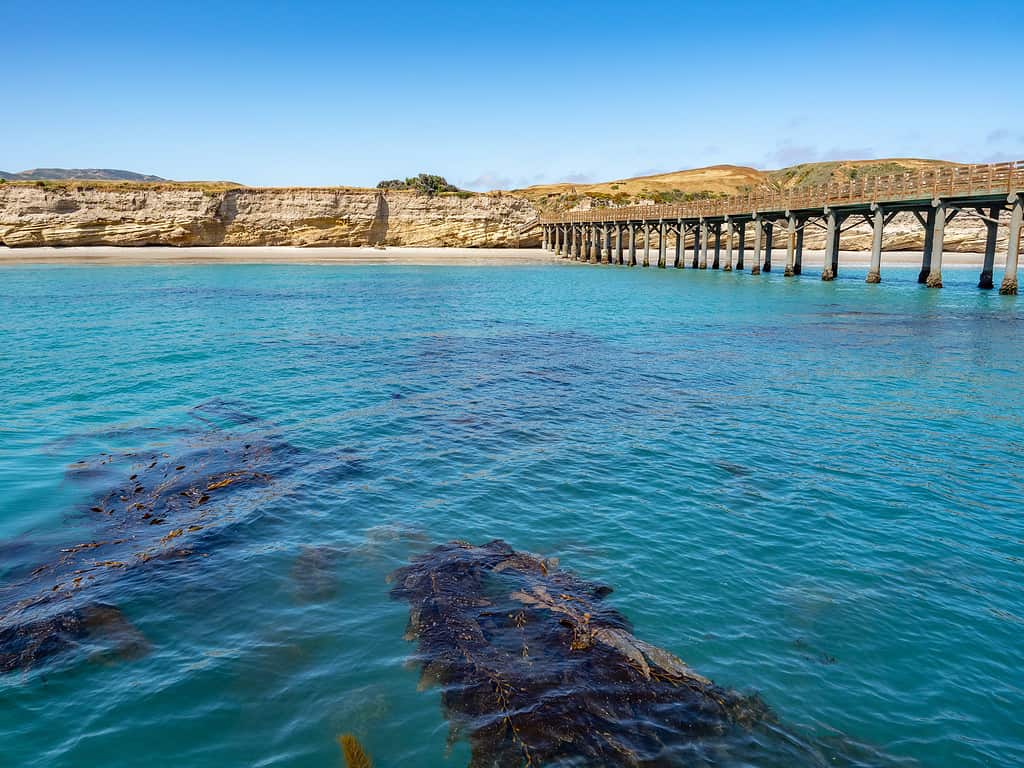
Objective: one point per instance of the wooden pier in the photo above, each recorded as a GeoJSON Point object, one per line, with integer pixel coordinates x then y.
{"type": "Point", "coordinates": [614, 235]}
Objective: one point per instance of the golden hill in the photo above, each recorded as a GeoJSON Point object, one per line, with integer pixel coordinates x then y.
{"type": "Point", "coordinates": [715, 181]}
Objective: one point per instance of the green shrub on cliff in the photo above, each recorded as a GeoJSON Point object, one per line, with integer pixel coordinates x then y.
{"type": "Point", "coordinates": [425, 183]}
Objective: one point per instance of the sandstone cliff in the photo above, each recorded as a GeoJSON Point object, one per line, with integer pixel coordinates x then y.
{"type": "Point", "coordinates": [182, 214]}
{"type": "Point", "coordinates": [77, 212]}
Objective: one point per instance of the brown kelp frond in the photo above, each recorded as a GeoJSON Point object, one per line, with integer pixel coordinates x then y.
{"type": "Point", "coordinates": [536, 669]}
{"type": "Point", "coordinates": [23, 645]}
{"type": "Point", "coordinates": [353, 752]}
{"type": "Point", "coordinates": [150, 507]}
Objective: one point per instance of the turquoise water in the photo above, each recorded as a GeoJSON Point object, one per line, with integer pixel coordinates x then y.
{"type": "Point", "coordinates": [808, 490]}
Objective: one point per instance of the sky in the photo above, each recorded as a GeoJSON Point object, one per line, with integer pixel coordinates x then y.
{"type": "Point", "coordinates": [501, 94]}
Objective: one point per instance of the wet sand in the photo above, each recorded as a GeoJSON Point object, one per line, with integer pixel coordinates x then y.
{"type": "Point", "coordinates": [157, 255]}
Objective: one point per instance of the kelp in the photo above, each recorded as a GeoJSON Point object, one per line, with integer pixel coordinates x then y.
{"type": "Point", "coordinates": [353, 752]}
{"type": "Point", "coordinates": [23, 645]}
{"type": "Point", "coordinates": [536, 669]}
{"type": "Point", "coordinates": [155, 507]}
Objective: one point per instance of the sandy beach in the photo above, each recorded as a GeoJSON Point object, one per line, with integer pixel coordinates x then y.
{"type": "Point", "coordinates": [159, 255]}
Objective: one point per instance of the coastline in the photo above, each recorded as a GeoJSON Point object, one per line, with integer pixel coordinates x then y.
{"type": "Point", "coordinates": [110, 255]}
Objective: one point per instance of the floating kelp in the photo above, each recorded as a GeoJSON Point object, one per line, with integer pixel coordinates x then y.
{"type": "Point", "coordinates": [536, 669]}
{"type": "Point", "coordinates": [157, 507]}
{"type": "Point", "coordinates": [24, 645]}
{"type": "Point", "coordinates": [353, 752]}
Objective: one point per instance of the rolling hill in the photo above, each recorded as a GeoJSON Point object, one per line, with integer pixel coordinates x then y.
{"type": "Point", "coordinates": [714, 181]}
{"type": "Point", "coordinates": [90, 174]}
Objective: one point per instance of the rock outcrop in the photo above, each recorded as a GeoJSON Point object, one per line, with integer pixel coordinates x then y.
{"type": "Point", "coordinates": [181, 214]}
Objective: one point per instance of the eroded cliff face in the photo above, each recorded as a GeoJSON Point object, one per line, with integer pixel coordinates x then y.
{"type": "Point", "coordinates": [179, 215]}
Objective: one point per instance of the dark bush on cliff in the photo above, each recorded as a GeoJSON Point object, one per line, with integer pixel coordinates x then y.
{"type": "Point", "coordinates": [426, 183]}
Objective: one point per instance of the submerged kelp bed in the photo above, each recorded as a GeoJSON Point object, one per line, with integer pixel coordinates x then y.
{"type": "Point", "coordinates": [536, 669]}
{"type": "Point", "coordinates": [161, 505]}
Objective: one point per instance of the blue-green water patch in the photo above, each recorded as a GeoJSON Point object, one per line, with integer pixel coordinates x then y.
{"type": "Point", "coordinates": [809, 490]}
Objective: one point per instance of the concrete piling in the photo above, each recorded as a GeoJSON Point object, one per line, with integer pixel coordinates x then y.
{"type": "Point", "coordinates": [926, 256]}
{"type": "Point", "coordinates": [755, 269]}
{"type": "Point", "coordinates": [680, 257]}
{"type": "Point", "coordinates": [769, 230]}
{"type": "Point", "coordinates": [741, 244]}
{"type": "Point", "coordinates": [991, 236]}
{"type": "Point", "coordinates": [730, 236]}
{"type": "Point", "coordinates": [647, 245]}
{"type": "Point", "coordinates": [1013, 246]}
{"type": "Point", "coordinates": [716, 264]}
{"type": "Point", "coordinates": [703, 262]}
{"type": "Point", "coordinates": [632, 245]}
{"type": "Point", "coordinates": [934, 279]}
{"type": "Point", "coordinates": [661, 244]}
{"type": "Point", "coordinates": [798, 259]}
{"type": "Point", "coordinates": [877, 226]}
{"type": "Point", "coordinates": [831, 267]}
{"type": "Point", "coordinates": [791, 225]}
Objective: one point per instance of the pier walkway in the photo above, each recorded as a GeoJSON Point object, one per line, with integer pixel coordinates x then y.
{"type": "Point", "coordinates": [613, 235]}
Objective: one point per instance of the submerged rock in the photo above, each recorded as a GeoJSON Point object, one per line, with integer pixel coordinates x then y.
{"type": "Point", "coordinates": [314, 573]}
{"type": "Point", "coordinates": [536, 670]}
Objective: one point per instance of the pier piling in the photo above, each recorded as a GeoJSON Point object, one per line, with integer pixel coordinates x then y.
{"type": "Point", "coordinates": [730, 236]}
{"type": "Point", "coordinates": [831, 266]}
{"type": "Point", "coordinates": [703, 263]}
{"type": "Point", "coordinates": [798, 259]}
{"type": "Point", "coordinates": [1013, 245]}
{"type": "Point", "coordinates": [991, 236]}
{"type": "Point", "coordinates": [741, 244]}
{"type": "Point", "coordinates": [877, 226]}
{"type": "Point", "coordinates": [934, 279]}
{"type": "Point", "coordinates": [791, 225]}
{"type": "Point", "coordinates": [929, 239]}
{"type": "Point", "coordinates": [755, 268]}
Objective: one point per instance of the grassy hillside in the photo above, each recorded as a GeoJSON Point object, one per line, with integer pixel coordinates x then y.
{"type": "Point", "coordinates": [94, 174]}
{"type": "Point", "coordinates": [715, 181]}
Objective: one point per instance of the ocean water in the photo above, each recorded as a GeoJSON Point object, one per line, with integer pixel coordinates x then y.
{"type": "Point", "coordinates": [808, 490]}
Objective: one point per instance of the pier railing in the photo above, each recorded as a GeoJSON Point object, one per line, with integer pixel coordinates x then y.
{"type": "Point", "coordinates": [925, 185]}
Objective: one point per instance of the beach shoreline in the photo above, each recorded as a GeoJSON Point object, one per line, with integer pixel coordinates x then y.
{"type": "Point", "coordinates": [108, 255]}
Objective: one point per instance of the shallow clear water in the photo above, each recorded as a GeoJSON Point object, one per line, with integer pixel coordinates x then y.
{"type": "Point", "coordinates": [809, 490]}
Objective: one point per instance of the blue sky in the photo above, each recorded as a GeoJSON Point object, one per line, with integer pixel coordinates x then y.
{"type": "Point", "coordinates": [501, 94]}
